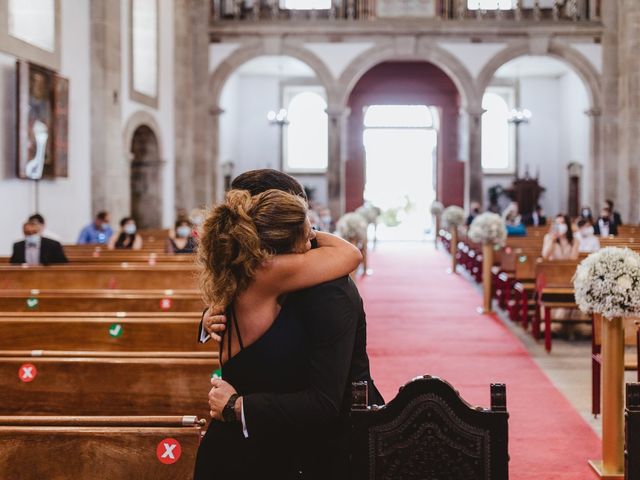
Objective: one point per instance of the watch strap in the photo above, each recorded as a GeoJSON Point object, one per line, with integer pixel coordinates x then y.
{"type": "Point", "coordinates": [229, 410]}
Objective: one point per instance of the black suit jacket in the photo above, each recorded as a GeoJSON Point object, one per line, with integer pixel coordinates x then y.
{"type": "Point", "coordinates": [50, 252]}
{"type": "Point", "coordinates": [528, 220]}
{"type": "Point", "coordinates": [613, 227]}
{"type": "Point", "coordinates": [335, 323]}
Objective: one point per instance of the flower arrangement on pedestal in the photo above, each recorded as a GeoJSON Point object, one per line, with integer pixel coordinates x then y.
{"type": "Point", "coordinates": [436, 208]}
{"type": "Point", "coordinates": [352, 227]}
{"type": "Point", "coordinates": [488, 228]}
{"type": "Point", "coordinates": [608, 283]}
{"type": "Point", "coordinates": [453, 216]}
{"type": "Point", "coordinates": [369, 212]}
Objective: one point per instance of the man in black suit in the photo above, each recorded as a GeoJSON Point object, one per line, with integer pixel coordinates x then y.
{"type": "Point", "coordinates": [617, 219]}
{"type": "Point", "coordinates": [536, 218]}
{"type": "Point", "coordinates": [35, 249]}
{"type": "Point", "coordinates": [335, 324]}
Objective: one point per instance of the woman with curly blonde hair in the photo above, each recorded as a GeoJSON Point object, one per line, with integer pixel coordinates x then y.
{"type": "Point", "coordinates": [253, 252]}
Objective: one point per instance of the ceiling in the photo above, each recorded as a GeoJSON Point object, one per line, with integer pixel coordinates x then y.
{"type": "Point", "coordinates": [533, 66]}
{"type": "Point", "coordinates": [274, 66]}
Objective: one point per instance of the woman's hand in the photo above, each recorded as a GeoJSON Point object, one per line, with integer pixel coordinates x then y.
{"type": "Point", "coordinates": [214, 323]}
{"type": "Point", "coordinates": [219, 396]}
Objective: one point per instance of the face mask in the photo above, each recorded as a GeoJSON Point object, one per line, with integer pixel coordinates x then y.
{"type": "Point", "coordinates": [561, 228]}
{"type": "Point", "coordinates": [586, 213]}
{"type": "Point", "coordinates": [325, 219]}
{"type": "Point", "coordinates": [183, 232]}
{"type": "Point", "coordinates": [197, 220]}
{"type": "Point", "coordinates": [130, 229]}
{"type": "Point", "coordinates": [587, 231]}
{"type": "Point", "coordinates": [31, 239]}
{"type": "Point", "coordinates": [105, 226]}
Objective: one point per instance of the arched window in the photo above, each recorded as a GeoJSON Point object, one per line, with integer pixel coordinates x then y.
{"type": "Point", "coordinates": [498, 140]}
{"type": "Point", "coordinates": [306, 137]}
{"type": "Point", "coordinates": [490, 4]}
{"type": "Point", "coordinates": [305, 4]}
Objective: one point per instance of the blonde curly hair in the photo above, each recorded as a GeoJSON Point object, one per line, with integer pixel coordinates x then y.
{"type": "Point", "coordinates": [240, 234]}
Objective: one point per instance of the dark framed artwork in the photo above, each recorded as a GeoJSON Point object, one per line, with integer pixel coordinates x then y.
{"type": "Point", "coordinates": [42, 132]}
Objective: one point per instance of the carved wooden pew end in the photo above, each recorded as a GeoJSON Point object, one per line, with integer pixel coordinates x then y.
{"type": "Point", "coordinates": [429, 431]}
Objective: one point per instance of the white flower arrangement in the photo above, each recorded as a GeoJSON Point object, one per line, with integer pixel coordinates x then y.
{"type": "Point", "coordinates": [436, 208]}
{"type": "Point", "coordinates": [608, 282]}
{"type": "Point", "coordinates": [488, 228]}
{"type": "Point", "coordinates": [369, 212]}
{"type": "Point", "coordinates": [352, 227]}
{"type": "Point", "coordinates": [453, 216]}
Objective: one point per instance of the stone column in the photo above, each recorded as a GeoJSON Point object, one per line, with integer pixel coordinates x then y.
{"type": "Point", "coordinates": [596, 188]}
{"type": "Point", "coordinates": [629, 111]}
{"type": "Point", "coordinates": [195, 174]}
{"type": "Point", "coordinates": [606, 175]}
{"type": "Point", "coordinates": [335, 170]}
{"type": "Point", "coordinates": [474, 164]}
{"type": "Point", "coordinates": [110, 181]}
{"type": "Point", "coordinates": [214, 148]}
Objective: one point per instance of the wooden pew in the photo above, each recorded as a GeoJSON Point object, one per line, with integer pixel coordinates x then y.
{"type": "Point", "coordinates": [105, 383]}
{"type": "Point", "coordinates": [98, 448]}
{"type": "Point", "coordinates": [554, 289]}
{"type": "Point", "coordinates": [154, 301]}
{"type": "Point", "coordinates": [124, 333]}
{"type": "Point", "coordinates": [406, 437]}
{"type": "Point", "coordinates": [631, 333]}
{"type": "Point", "coordinates": [138, 277]}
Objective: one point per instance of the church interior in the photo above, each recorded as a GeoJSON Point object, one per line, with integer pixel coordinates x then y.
{"type": "Point", "coordinates": [479, 154]}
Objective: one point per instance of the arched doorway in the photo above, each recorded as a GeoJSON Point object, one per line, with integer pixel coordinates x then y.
{"type": "Point", "coordinates": [427, 154]}
{"type": "Point", "coordinates": [146, 181]}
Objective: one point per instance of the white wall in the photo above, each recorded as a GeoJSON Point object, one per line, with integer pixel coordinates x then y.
{"type": "Point", "coordinates": [246, 137]}
{"type": "Point", "coordinates": [164, 114]}
{"type": "Point", "coordinates": [574, 130]}
{"type": "Point", "coordinates": [64, 202]}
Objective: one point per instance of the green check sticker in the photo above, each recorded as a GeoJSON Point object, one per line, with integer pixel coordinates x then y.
{"type": "Point", "coordinates": [115, 330]}
{"type": "Point", "coordinates": [217, 373]}
{"type": "Point", "coordinates": [32, 302]}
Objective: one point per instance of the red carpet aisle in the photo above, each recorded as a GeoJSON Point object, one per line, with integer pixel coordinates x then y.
{"type": "Point", "coordinates": [423, 321]}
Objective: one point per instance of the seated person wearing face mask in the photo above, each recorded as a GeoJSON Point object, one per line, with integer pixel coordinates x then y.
{"type": "Point", "coordinates": [98, 232]}
{"type": "Point", "coordinates": [606, 224]}
{"type": "Point", "coordinates": [559, 243]}
{"type": "Point", "coordinates": [127, 238]}
{"type": "Point", "coordinates": [35, 249]}
{"type": "Point", "coordinates": [183, 241]}
{"type": "Point", "coordinates": [589, 243]}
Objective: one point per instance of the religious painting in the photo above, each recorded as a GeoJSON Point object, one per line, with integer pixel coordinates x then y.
{"type": "Point", "coordinates": [42, 122]}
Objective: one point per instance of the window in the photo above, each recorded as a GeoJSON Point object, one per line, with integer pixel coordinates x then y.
{"type": "Point", "coordinates": [498, 136]}
{"type": "Point", "coordinates": [305, 4]}
{"type": "Point", "coordinates": [144, 51]}
{"type": "Point", "coordinates": [33, 22]}
{"type": "Point", "coordinates": [490, 4]}
{"type": "Point", "coordinates": [306, 137]}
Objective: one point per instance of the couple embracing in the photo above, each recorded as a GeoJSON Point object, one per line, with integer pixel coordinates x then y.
{"type": "Point", "coordinates": [292, 336]}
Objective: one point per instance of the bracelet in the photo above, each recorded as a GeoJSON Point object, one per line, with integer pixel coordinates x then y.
{"type": "Point", "coordinates": [229, 412]}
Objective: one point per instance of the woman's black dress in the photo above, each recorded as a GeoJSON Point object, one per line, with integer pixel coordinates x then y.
{"type": "Point", "coordinates": [277, 362]}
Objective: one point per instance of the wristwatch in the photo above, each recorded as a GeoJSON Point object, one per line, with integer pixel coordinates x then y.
{"type": "Point", "coordinates": [229, 410]}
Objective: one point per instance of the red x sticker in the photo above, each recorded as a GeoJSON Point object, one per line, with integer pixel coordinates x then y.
{"type": "Point", "coordinates": [27, 372]}
{"type": "Point", "coordinates": [168, 451]}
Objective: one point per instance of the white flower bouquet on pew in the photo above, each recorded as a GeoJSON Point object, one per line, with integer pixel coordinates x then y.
{"type": "Point", "coordinates": [436, 208]}
{"type": "Point", "coordinates": [453, 216]}
{"type": "Point", "coordinates": [369, 212]}
{"type": "Point", "coordinates": [608, 282]}
{"type": "Point", "coordinates": [488, 228]}
{"type": "Point", "coordinates": [352, 227]}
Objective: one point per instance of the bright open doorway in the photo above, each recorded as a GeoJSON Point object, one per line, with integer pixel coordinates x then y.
{"type": "Point", "coordinates": [400, 142]}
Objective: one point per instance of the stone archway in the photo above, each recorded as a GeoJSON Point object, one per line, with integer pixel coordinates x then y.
{"type": "Point", "coordinates": [590, 79]}
{"type": "Point", "coordinates": [146, 178]}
